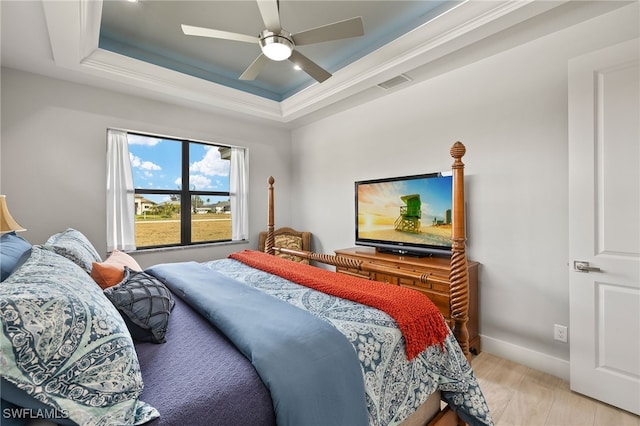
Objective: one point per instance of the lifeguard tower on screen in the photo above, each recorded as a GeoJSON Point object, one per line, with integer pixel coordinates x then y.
{"type": "Point", "coordinates": [410, 214]}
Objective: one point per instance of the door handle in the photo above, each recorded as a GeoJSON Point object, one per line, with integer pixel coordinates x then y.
{"type": "Point", "coordinates": [582, 266]}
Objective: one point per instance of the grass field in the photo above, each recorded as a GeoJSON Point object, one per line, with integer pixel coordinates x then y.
{"type": "Point", "coordinates": [210, 227]}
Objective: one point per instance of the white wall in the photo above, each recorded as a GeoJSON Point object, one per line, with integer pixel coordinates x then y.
{"type": "Point", "coordinates": [510, 110]}
{"type": "Point", "coordinates": [53, 157]}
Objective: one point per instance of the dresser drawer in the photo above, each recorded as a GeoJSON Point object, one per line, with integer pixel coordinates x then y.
{"type": "Point", "coordinates": [407, 282]}
{"type": "Point", "coordinates": [441, 287]}
{"type": "Point", "coordinates": [354, 272]}
{"type": "Point", "coordinates": [441, 300]}
{"type": "Point", "coordinates": [385, 278]}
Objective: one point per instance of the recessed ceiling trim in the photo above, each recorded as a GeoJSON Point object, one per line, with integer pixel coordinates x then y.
{"type": "Point", "coordinates": [65, 42]}
{"type": "Point", "coordinates": [73, 28]}
{"type": "Point", "coordinates": [174, 84]}
{"type": "Point", "coordinates": [90, 12]}
{"type": "Point", "coordinates": [455, 29]}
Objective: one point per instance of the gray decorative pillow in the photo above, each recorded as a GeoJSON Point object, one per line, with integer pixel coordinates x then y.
{"type": "Point", "coordinates": [73, 245]}
{"type": "Point", "coordinates": [145, 304]}
{"type": "Point", "coordinates": [63, 343]}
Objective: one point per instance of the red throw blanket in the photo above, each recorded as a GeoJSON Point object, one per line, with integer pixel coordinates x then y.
{"type": "Point", "coordinates": [417, 317]}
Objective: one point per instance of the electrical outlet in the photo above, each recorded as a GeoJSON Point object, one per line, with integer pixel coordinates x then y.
{"type": "Point", "coordinates": [560, 333]}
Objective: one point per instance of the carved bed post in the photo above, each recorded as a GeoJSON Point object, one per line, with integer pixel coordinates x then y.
{"type": "Point", "coordinates": [268, 245]}
{"type": "Point", "coordinates": [459, 275]}
{"type": "Point", "coordinates": [458, 279]}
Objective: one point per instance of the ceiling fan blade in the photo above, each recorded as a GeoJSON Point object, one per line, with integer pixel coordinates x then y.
{"type": "Point", "coordinates": [254, 69]}
{"type": "Point", "coordinates": [310, 67]}
{"type": "Point", "coordinates": [336, 31]}
{"type": "Point", "coordinates": [270, 11]}
{"type": "Point", "coordinates": [226, 35]}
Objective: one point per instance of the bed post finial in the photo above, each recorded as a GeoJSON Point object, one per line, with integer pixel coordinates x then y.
{"type": "Point", "coordinates": [459, 275]}
{"type": "Point", "coordinates": [269, 242]}
{"type": "Point", "coordinates": [458, 150]}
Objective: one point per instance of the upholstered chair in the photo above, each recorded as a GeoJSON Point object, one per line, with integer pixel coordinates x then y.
{"type": "Point", "coordinates": [288, 238]}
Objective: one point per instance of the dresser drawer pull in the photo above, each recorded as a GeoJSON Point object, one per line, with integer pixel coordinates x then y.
{"type": "Point", "coordinates": [424, 277]}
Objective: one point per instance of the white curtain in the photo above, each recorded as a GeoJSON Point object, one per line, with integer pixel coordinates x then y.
{"type": "Point", "coordinates": [120, 194]}
{"type": "Point", "coordinates": [238, 188]}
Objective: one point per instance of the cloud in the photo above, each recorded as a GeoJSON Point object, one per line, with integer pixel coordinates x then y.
{"type": "Point", "coordinates": [142, 140]}
{"type": "Point", "coordinates": [211, 164]}
{"type": "Point", "coordinates": [136, 162]}
{"type": "Point", "coordinates": [199, 182]}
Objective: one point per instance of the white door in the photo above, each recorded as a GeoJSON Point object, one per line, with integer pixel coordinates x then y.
{"type": "Point", "coordinates": [604, 225]}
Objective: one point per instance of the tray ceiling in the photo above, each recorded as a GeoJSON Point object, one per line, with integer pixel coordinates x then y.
{"type": "Point", "coordinates": [150, 31]}
{"type": "Point", "coordinates": [139, 49]}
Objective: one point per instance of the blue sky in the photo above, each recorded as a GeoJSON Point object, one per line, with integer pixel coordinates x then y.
{"type": "Point", "coordinates": [155, 164]}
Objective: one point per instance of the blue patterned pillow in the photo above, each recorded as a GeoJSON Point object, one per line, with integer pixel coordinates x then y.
{"type": "Point", "coordinates": [73, 245]}
{"type": "Point", "coordinates": [12, 247]}
{"type": "Point", "coordinates": [145, 304]}
{"type": "Point", "coordinates": [63, 343]}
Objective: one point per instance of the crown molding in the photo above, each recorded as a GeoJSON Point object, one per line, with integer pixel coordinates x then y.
{"type": "Point", "coordinates": [74, 27]}
{"type": "Point", "coordinates": [458, 27]}
{"type": "Point", "coordinates": [171, 85]}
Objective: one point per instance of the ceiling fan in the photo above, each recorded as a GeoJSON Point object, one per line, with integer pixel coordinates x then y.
{"type": "Point", "coordinates": [277, 44]}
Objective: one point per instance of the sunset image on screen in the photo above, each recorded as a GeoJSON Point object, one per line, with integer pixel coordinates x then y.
{"type": "Point", "coordinates": [416, 211]}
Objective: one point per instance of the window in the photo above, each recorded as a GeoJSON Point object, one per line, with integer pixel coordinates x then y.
{"type": "Point", "coordinates": [184, 192]}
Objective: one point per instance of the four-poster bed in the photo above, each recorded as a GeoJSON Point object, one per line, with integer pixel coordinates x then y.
{"type": "Point", "coordinates": [458, 280]}
{"type": "Point", "coordinates": [251, 339]}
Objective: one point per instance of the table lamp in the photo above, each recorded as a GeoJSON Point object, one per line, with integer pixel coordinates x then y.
{"type": "Point", "coordinates": [7, 222]}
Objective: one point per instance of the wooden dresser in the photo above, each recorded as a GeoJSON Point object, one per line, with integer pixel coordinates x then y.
{"type": "Point", "coordinates": [438, 292]}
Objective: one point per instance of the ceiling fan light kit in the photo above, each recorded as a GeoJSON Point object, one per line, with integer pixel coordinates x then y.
{"type": "Point", "coordinates": [276, 47]}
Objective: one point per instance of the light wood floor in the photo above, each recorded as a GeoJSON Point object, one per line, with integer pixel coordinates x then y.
{"type": "Point", "coordinates": [518, 395]}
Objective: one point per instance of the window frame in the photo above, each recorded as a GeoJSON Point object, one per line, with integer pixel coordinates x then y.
{"type": "Point", "coordinates": [184, 192]}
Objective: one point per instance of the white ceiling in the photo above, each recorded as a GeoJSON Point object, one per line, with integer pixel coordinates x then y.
{"type": "Point", "coordinates": [138, 48]}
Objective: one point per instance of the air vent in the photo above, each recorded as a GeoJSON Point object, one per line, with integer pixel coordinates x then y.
{"type": "Point", "coordinates": [394, 82]}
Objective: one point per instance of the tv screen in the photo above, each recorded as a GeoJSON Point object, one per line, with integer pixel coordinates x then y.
{"type": "Point", "coordinates": [408, 215]}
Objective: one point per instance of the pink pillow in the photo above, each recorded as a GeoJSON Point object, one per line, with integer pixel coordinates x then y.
{"type": "Point", "coordinates": [111, 271]}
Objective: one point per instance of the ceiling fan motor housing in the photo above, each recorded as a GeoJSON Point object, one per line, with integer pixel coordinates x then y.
{"type": "Point", "coordinates": [276, 46]}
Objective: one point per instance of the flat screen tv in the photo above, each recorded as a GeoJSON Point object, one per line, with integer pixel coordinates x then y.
{"type": "Point", "coordinates": [408, 215]}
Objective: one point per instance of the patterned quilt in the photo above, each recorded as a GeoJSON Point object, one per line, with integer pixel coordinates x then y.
{"type": "Point", "coordinates": [394, 386]}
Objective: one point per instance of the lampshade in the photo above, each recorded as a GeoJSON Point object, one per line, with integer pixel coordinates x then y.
{"type": "Point", "coordinates": [276, 47]}
{"type": "Point", "coordinates": [7, 222]}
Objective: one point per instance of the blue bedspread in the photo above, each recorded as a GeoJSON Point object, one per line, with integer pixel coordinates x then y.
{"type": "Point", "coordinates": [394, 387]}
{"type": "Point", "coordinates": [311, 369]}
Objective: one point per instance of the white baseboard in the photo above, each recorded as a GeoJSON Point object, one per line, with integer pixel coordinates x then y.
{"type": "Point", "coordinates": [525, 356]}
